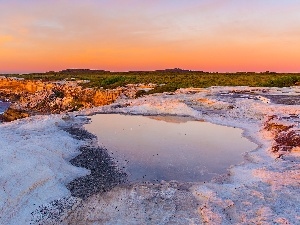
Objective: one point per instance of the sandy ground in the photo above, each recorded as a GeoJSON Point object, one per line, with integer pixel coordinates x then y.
{"type": "Point", "coordinates": [264, 189]}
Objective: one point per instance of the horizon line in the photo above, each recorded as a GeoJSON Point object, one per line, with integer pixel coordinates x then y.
{"type": "Point", "coordinates": [176, 69]}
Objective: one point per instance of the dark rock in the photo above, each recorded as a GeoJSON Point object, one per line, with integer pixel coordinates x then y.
{"type": "Point", "coordinates": [79, 133]}
{"type": "Point", "coordinates": [104, 173]}
{"type": "Point", "coordinates": [12, 114]}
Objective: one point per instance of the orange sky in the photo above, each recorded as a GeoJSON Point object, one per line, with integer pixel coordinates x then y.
{"type": "Point", "coordinates": [210, 35]}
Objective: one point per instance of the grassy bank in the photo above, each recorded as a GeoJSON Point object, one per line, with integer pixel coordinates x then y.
{"type": "Point", "coordinates": [173, 79]}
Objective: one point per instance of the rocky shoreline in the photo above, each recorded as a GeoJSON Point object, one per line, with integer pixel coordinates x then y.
{"type": "Point", "coordinates": [104, 176]}
{"type": "Point", "coordinates": [43, 98]}
{"type": "Point", "coordinates": [253, 192]}
{"type": "Point", "coordinates": [104, 172]}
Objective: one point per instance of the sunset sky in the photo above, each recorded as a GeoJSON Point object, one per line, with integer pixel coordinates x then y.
{"type": "Point", "coordinates": [122, 35]}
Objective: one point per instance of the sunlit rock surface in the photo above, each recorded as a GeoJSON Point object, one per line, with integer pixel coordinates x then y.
{"type": "Point", "coordinates": [37, 97]}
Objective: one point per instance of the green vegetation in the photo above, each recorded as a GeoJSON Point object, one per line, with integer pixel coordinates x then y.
{"type": "Point", "coordinates": [159, 89]}
{"type": "Point", "coordinates": [76, 105]}
{"type": "Point", "coordinates": [172, 79]}
{"type": "Point", "coordinates": [164, 88]}
{"type": "Point", "coordinates": [113, 81]}
{"type": "Point", "coordinates": [282, 81]}
{"type": "Point", "coordinates": [58, 94]}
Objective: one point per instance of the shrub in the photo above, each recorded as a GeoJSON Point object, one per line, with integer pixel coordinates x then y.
{"type": "Point", "coordinates": [164, 88]}
{"type": "Point", "coordinates": [140, 93]}
{"type": "Point", "coordinates": [58, 94]}
{"type": "Point", "coordinates": [76, 105]}
{"type": "Point", "coordinates": [284, 81]}
{"type": "Point", "coordinates": [113, 80]}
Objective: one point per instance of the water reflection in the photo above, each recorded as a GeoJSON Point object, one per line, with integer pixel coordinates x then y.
{"type": "Point", "coordinates": [169, 148]}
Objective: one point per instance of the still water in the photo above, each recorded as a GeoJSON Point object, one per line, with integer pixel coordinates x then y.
{"type": "Point", "coordinates": [169, 148]}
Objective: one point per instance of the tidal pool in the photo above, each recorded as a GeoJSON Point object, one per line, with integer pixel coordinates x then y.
{"type": "Point", "coordinates": [169, 148]}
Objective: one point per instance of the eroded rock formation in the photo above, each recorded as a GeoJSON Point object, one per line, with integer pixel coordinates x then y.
{"type": "Point", "coordinates": [37, 97]}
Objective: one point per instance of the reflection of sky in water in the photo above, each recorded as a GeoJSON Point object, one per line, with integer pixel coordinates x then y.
{"type": "Point", "coordinates": [3, 106]}
{"type": "Point", "coordinates": [179, 150]}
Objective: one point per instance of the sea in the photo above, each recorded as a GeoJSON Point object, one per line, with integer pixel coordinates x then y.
{"type": "Point", "coordinates": [3, 106]}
